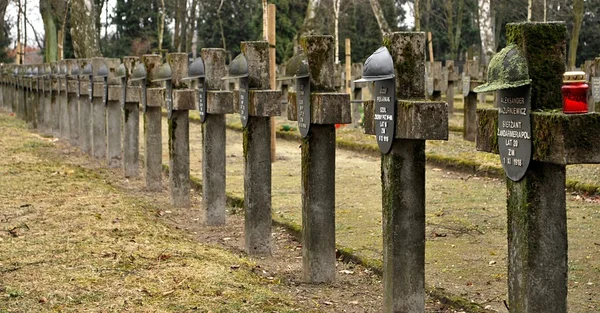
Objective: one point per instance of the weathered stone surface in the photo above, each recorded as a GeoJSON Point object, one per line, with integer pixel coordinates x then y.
{"type": "Point", "coordinates": [214, 69]}
{"type": "Point", "coordinates": [408, 52]}
{"type": "Point", "coordinates": [152, 62]}
{"type": "Point", "coordinates": [84, 87]}
{"type": "Point", "coordinates": [453, 74]}
{"type": "Point", "coordinates": [133, 93]}
{"type": "Point", "coordinates": [219, 102]}
{"type": "Point", "coordinates": [326, 108]}
{"type": "Point", "coordinates": [557, 138]}
{"type": "Point", "coordinates": [184, 99]}
{"type": "Point", "coordinates": [319, 53]}
{"type": "Point", "coordinates": [257, 55]}
{"type": "Point", "coordinates": [544, 45]}
{"type": "Point", "coordinates": [130, 62]}
{"type": "Point", "coordinates": [179, 69]}
{"type": "Point", "coordinates": [260, 102]}
{"type": "Point", "coordinates": [72, 86]}
{"type": "Point", "coordinates": [155, 97]}
{"type": "Point", "coordinates": [98, 90]}
{"type": "Point", "coordinates": [416, 119]}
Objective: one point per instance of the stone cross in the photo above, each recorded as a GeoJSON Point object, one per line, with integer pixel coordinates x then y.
{"type": "Point", "coordinates": [256, 104]}
{"type": "Point", "coordinates": [55, 100]}
{"type": "Point", "coordinates": [403, 171]}
{"type": "Point", "coordinates": [85, 105]}
{"type": "Point", "coordinates": [114, 116]}
{"type": "Point", "coordinates": [179, 101]}
{"type": "Point", "coordinates": [130, 100]}
{"type": "Point", "coordinates": [470, 81]}
{"type": "Point", "coordinates": [152, 98]}
{"type": "Point", "coordinates": [98, 113]}
{"type": "Point", "coordinates": [435, 82]}
{"type": "Point", "coordinates": [318, 107]}
{"type": "Point", "coordinates": [218, 103]}
{"type": "Point", "coordinates": [452, 74]}
{"type": "Point", "coordinates": [536, 203]}
{"type": "Point", "coordinates": [73, 99]}
{"type": "Point", "coordinates": [63, 101]}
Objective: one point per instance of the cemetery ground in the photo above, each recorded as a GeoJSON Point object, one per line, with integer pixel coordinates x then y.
{"type": "Point", "coordinates": [78, 259]}
{"type": "Point", "coordinates": [76, 236]}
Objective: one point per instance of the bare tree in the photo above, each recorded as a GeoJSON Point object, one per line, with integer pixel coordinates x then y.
{"type": "Point", "coordinates": [486, 30]}
{"type": "Point", "coordinates": [577, 20]}
{"type": "Point", "coordinates": [383, 25]}
{"type": "Point", "coordinates": [221, 25]}
{"type": "Point", "coordinates": [336, 23]}
{"type": "Point", "coordinates": [453, 29]}
{"type": "Point", "coordinates": [161, 25]}
{"type": "Point", "coordinates": [83, 33]}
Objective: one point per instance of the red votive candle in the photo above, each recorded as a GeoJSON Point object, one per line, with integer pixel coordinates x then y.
{"type": "Point", "coordinates": [574, 92]}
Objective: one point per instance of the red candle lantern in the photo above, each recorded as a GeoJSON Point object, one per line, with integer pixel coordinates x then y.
{"type": "Point", "coordinates": [574, 92]}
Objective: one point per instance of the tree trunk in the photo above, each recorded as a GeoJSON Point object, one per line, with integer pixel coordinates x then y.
{"type": "Point", "coordinates": [336, 23]}
{"type": "Point", "coordinates": [161, 26]}
{"type": "Point", "coordinates": [265, 7]}
{"type": "Point", "coordinates": [221, 25]}
{"type": "Point", "coordinates": [176, 37]}
{"type": "Point", "coordinates": [486, 30]}
{"type": "Point", "coordinates": [83, 33]}
{"type": "Point", "coordinates": [192, 31]}
{"type": "Point", "coordinates": [308, 26]}
{"type": "Point", "coordinates": [417, 16]}
{"type": "Point", "coordinates": [50, 33]}
{"type": "Point", "coordinates": [383, 25]}
{"type": "Point", "coordinates": [577, 20]}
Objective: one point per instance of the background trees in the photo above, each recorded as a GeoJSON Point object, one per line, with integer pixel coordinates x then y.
{"type": "Point", "coordinates": [462, 29]}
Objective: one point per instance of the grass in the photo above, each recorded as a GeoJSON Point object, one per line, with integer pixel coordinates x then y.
{"type": "Point", "coordinates": [71, 242]}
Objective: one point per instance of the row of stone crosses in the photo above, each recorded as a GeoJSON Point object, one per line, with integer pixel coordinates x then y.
{"type": "Point", "coordinates": [94, 103]}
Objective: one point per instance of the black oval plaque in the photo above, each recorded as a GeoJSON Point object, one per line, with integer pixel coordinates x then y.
{"type": "Point", "coordinates": [303, 102]}
{"type": "Point", "coordinates": [144, 99]}
{"type": "Point", "coordinates": [201, 100]}
{"type": "Point", "coordinates": [91, 88]}
{"type": "Point", "coordinates": [123, 92]}
{"type": "Point", "coordinates": [78, 87]}
{"type": "Point", "coordinates": [169, 98]}
{"type": "Point", "coordinates": [514, 130]}
{"type": "Point", "coordinates": [105, 91]}
{"type": "Point", "coordinates": [244, 100]}
{"type": "Point", "coordinates": [385, 113]}
{"type": "Point", "coordinates": [596, 88]}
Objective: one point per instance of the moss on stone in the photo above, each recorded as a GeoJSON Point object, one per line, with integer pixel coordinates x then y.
{"type": "Point", "coordinates": [318, 51]}
{"type": "Point", "coordinates": [544, 45]}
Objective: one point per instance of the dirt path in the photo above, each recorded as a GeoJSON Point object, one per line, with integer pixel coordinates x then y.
{"type": "Point", "coordinates": [466, 221]}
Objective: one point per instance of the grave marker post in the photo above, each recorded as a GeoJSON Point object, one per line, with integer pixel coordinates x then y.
{"type": "Point", "coordinates": [62, 100]}
{"type": "Point", "coordinates": [129, 98]}
{"type": "Point", "coordinates": [98, 113]}
{"type": "Point", "coordinates": [113, 113]}
{"type": "Point", "coordinates": [86, 85]}
{"type": "Point", "coordinates": [469, 82]}
{"type": "Point", "coordinates": [452, 78]}
{"type": "Point", "coordinates": [73, 99]}
{"type": "Point", "coordinates": [55, 99]}
{"type": "Point", "coordinates": [536, 202]}
{"type": "Point", "coordinates": [594, 100]}
{"type": "Point", "coordinates": [152, 100]}
{"type": "Point", "coordinates": [401, 128]}
{"type": "Point", "coordinates": [256, 104]}
{"type": "Point", "coordinates": [317, 107]}
{"type": "Point", "coordinates": [179, 100]}
{"type": "Point", "coordinates": [218, 102]}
